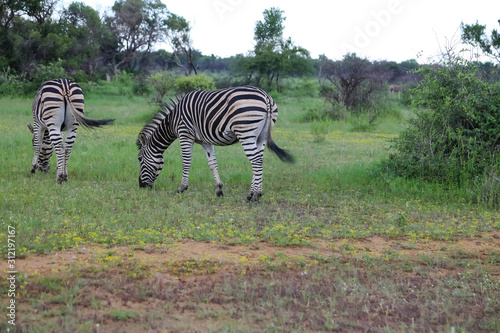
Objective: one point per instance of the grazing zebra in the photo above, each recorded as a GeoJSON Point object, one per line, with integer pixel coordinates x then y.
{"type": "Point", "coordinates": [211, 117]}
{"type": "Point", "coordinates": [58, 107]}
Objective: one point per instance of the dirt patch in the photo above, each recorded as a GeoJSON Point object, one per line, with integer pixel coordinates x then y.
{"type": "Point", "coordinates": [474, 247]}
{"type": "Point", "coordinates": [331, 285]}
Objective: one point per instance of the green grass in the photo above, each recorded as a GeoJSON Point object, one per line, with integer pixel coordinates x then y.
{"type": "Point", "coordinates": [332, 193]}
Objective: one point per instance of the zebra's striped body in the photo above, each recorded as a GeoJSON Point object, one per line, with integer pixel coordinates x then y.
{"type": "Point", "coordinates": [211, 117]}
{"type": "Point", "coordinates": [58, 107]}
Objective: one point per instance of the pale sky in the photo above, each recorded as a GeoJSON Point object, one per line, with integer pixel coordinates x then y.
{"type": "Point", "coordinates": [395, 30]}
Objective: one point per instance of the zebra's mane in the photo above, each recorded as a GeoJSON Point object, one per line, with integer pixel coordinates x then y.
{"type": "Point", "coordinates": [153, 124]}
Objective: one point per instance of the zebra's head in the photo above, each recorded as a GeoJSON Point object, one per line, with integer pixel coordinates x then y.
{"type": "Point", "coordinates": [150, 163]}
{"type": "Point", "coordinates": [32, 132]}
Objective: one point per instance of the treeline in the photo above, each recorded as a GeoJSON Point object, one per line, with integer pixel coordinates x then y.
{"type": "Point", "coordinates": [40, 40]}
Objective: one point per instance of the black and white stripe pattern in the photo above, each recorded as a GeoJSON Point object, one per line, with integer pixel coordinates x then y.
{"type": "Point", "coordinates": [211, 117]}
{"type": "Point", "coordinates": [58, 107]}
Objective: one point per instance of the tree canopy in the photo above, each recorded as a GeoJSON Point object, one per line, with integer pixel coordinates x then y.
{"type": "Point", "coordinates": [475, 35]}
{"type": "Point", "coordinates": [31, 35]}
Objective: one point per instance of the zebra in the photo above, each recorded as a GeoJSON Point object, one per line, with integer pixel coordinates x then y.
{"type": "Point", "coordinates": [211, 117]}
{"type": "Point", "coordinates": [57, 107]}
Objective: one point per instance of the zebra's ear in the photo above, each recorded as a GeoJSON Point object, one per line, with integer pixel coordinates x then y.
{"type": "Point", "coordinates": [143, 139]}
{"type": "Point", "coordinates": [30, 128]}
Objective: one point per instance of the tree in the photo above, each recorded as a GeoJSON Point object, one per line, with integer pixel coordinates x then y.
{"type": "Point", "coordinates": [270, 31]}
{"type": "Point", "coordinates": [273, 55]}
{"type": "Point", "coordinates": [9, 9]}
{"type": "Point", "coordinates": [24, 26]}
{"type": "Point", "coordinates": [40, 10]}
{"type": "Point", "coordinates": [138, 25]}
{"type": "Point", "coordinates": [354, 80]}
{"type": "Point", "coordinates": [87, 31]}
{"type": "Point", "coordinates": [180, 40]}
{"type": "Point", "coordinates": [475, 35]}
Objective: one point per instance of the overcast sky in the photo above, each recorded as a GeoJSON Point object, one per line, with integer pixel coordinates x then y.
{"type": "Point", "coordinates": [394, 30]}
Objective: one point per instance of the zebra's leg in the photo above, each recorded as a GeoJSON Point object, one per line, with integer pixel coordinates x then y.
{"type": "Point", "coordinates": [60, 149]}
{"type": "Point", "coordinates": [38, 136]}
{"type": "Point", "coordinates": [212, 163]}
{"type": "Point", "coordinates": [37, 147]}
{"type": "Point", "coordinates": [70, 139]}
{"type": "Point", "coordinates": [187, 152]}
{"type": "Point", "coordinates": [255, 153]}
{"type": "Point", "coordinates": [45, 153]}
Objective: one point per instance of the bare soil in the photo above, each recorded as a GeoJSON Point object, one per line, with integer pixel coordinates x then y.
{"type": "Point", "coordinates": [112, 299]}
{"type": "Point", "coordinates": [47, 264]}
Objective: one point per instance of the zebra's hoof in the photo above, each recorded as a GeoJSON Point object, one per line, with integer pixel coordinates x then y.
{"type": "Point", "coordinates": [254, 196]}
{"type": "Point", "coordinates": [61, 179]}
{"type": "Point", "coordinates": [181, 189]}
{"type": "Point", "coordinates": [33, 168]}
{"type": "Point", "coordinates": [219, 190]}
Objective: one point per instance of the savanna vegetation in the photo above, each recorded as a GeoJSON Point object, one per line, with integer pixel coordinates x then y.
{"type": "Point", "coordinates": [387, 222]}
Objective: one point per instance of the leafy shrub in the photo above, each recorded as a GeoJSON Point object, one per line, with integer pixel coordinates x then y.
{"type": "Point", "coordinates": [406, 95]}
{"type": "Point", "coordinates": [141, 86]}
{"type": "Point", "coordinates": [89, 86]}
{"type": "Point", "coordinates": [125, 78]}
{"type": "Point", "coordinates": [309, 88]}
{"type": "Point", "coordinates": [185, 84]}
{"type": "Point", "coordinates": [455, 134]}
{"type": "Point", "coordinates": [319, 130]}
{"type": "Point", "coordinates": [362, 123]}
{"type": "Point", "coordinates": [162, 83]}
{"type": "Point", "coordinates": [80, 77]}
{"type": "Point", "coordinates": [300, 87]}
{"type": "Point", "coordinates": [10, 83]}
{"type": "Point", "coordinates": [321, 113]}
{"type": "Point", "coordinates": [43, 73]}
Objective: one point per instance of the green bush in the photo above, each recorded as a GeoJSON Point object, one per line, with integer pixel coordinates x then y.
{"type": "Point", "coordinates": [80, 77]}
{"type": "Point", "coordinates": [454, 137]}
{"type": "Point", "coordinates": [141, 86]}
{"type": "Point", "coordinates": [125, 78]}
{"type": "Point", "coordinates": [10, 83]}
{"type": "Point", "coordinates": [319, 130]}
{"type": "Point", "coordinates": [185, 84]}
{"type": "Point", "coordinates": [162, 83]}
{"type": "Point", "coordinates": [322, 113]}
{"type": "Point", "coordinates": [43, 73]}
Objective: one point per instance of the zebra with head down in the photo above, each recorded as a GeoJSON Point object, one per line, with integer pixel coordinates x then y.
{"type": "Point", "coordinates": [211, 117]}
{"type": "Point", "coordinates": [58, 107]}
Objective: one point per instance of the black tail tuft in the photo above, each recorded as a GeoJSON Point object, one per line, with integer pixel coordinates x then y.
{"type": "Point", "coordinates": [90, 123]}
{"type": "Point", "coordinates": [282, 154]}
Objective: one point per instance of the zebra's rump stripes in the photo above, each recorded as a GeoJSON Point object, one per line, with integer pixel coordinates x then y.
{"type": "Point", "coordinates": [211, 117]}
{"type": "Point", "coordinates": [57, 107]}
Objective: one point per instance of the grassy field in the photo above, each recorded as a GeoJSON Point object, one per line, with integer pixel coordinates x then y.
{"type": "Point", "coordinates": [333, 244]}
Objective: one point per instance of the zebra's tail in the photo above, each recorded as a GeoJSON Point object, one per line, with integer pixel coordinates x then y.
{"type": "Point", "coordinates": [282, 154]}
{"type": "Point", "coordinates": [84, 121]}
